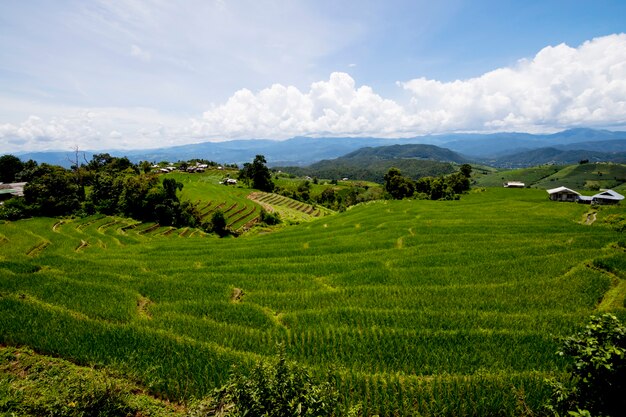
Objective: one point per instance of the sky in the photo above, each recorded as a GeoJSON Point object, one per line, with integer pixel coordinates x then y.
{"type": "Point", "coordinates": [133, 74]}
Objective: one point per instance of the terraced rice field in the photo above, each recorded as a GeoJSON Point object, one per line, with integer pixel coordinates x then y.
{"type": "Point", "coordinates": [429, 307]}
{"type": "Point", "coordinates": [289, 208]}
{"type": "Point", "coordinates": [241, 207]}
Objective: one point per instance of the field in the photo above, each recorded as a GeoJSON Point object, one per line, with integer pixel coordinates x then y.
{"type": "Point", "coordinates": [430, 307]}
{"type": "Point", "coordinates": [241, 208]}
{"type": "Point", "coordinates": [579, 177]}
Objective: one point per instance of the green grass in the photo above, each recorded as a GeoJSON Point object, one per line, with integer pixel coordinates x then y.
{"type": "Point", "coordinates": [37, 385]}
{"type": "Point", "coordinates": [578, 177]}
{"type": "Point", "coordinates": [430, 307]}
{"type": "Point", "coordinates": [528, 176]}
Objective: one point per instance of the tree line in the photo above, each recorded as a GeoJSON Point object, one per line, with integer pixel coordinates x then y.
{"type": "Point", "coordinates": [105, 184]}
{"type": "Point", "coordinates": [447, 187]}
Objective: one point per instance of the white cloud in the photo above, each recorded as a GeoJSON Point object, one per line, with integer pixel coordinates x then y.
{"type": "Point", "coordinates": [335, 107]}
{"type": "Point", "coordinates": [560, 87]}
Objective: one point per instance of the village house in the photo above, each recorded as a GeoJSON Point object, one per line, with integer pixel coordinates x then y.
{"type": "Point", "coordinates": [608, 197]}
{"type": "Point", "coordinates": [563, 194]}
{"type": "Point", "coordinates": [514, 184]}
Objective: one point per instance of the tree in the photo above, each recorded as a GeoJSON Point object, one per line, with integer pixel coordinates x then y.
{"type": "Point", "coordinates": [597, 370]}
{"type": "Point", "coordinates": [458, 182]}
{"type": "Point", "coordinates": [53, 192]}
{"type": "Point", "coordinates": [466, 170]}
{"type": "Point", "coordinates": [397, 185]}
{"type": "Point", "coordinates": [260, 174]}
{"type": "Point", "coordinates": [10, 166]}
{"type": "Point", "coordinates": [218, 223]}
{"type": "Point", "coordinates": [105, 192]}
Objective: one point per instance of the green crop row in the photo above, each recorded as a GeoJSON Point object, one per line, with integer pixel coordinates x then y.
{"type": "Point", "coordinates": [430, 307]}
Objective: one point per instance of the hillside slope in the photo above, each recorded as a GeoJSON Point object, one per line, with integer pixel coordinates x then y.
{"type": "Point", "coordinates": [429, 307]}
{"type": "Point", "coordinates": [371, 164]}
{"type": "Point", "coordinates": [591, 176]}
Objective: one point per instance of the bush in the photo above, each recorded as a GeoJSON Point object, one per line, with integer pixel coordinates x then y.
{"type": "Point", "coordinates": [270, 219]}
{"type": "Point", "coordinates": [597, 384]}
{"type": "Point", "coordinates": [279, 389]}
{"type": "Point", "coordinates": [14, 209]}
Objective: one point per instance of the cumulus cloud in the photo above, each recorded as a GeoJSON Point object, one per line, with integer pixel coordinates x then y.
{"type": "Point", "coordinates": [335, 107]}
{"type": "Point", "coordinates": [560, 87]}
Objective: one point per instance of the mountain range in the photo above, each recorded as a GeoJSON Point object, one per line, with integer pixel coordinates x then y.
{"type": "Point", "coordinates": [497, 148]}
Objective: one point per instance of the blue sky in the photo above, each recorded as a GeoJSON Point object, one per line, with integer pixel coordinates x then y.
{"type": "Point", "coordinates": [136, 74]}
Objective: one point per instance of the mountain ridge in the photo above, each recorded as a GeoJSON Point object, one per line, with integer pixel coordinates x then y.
{"type": "Point", "coordinates": [302, 151]}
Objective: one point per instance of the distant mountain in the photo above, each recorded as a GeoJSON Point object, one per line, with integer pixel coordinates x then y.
{"type": "Point", "coordinates": [556, 156]}
{"type": "Point", "coordinates": [301, 151]}
{"type": "Point", "coordinates": [372, 163]}
{"type": "Point", "coordinates": [417, 151]}
{"type": "Point", "coordinates": [498, 144]}
{"type": "Point", "coordinates": [618, 145]}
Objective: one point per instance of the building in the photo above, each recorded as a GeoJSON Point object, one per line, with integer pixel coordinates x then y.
{"type": "Point", "coordinates": [563, 194]}
{"type": "Point", "coordinates": [604, 197]}
{"type": "Point", "coordinates": [15, 189]}
{"type": "Point", "coordinates": [514, 184]}
{"type": "Point", "coordinates": [607, 197]}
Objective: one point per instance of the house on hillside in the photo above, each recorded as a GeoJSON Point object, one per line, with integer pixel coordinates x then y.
{"type": "Point", "coordinates": [563, 194]}
{"type": "Point", "coordinates": [514, 184]}
{"type": "Point", "coordinates": [604, 197]}
{"type": "Point", "coordinates": [607, 197]}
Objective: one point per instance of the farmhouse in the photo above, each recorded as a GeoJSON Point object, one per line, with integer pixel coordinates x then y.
{"type": "Point", "coordinates": [563, 194]}
{"type": "Point", "coordinates": [604, 197]}
{"type": "Point", "coordinates": [514, 184]}
{"type": "Point", "coordinates": [607, 197]}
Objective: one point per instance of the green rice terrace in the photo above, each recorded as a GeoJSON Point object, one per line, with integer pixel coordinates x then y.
{"type": "Point", "coordinates": [412, 307]}
{"type": "Point", "coordinates": [241, 207]}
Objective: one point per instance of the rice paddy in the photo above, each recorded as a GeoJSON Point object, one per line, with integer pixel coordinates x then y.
{"type": "Point", "coordinates": [412, 307]}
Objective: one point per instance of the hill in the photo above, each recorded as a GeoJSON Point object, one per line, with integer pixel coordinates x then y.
{"type": "Point", "coordinates": [371, 164]}
{"type": "Point", "coordinates": [591, 176]}
{"type": "Point", "coordinates": [570, 155]}
{"type": "Point", "coordinates": [413, 307]}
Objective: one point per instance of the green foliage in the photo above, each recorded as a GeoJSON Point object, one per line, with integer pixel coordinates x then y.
{"type": "Point", "coordinates": [269, 219]}
{"type": "Point", "coordinates": [218, 223]}
{"type": "Point", "coordinates": [425, 308]}
{"type": "Point", "coordinates": [466, 170]}
{"type": "Point", "coordinates": [14, 209]}
{"type": "Point", "coordinates": [279, 389]}
{"type": "Point", "coordinates": [53, 192]}
{"type": "Point", "coordinates": [257, 174]}
{"type": "Point", "coordinates": [616, 221]}
{"type": "Point", "coordinates": [35, 385]}
{"type": "Point", "coordinates": [598, 370]}
{"type": "Point", "coordinates": [10, 166]}
{"type": "Point", "coordinates": [371, 169]}
{"type": "Point", "coordinates": [397, 186]}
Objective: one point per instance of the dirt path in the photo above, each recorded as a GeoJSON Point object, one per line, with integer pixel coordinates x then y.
{"type": "Point", "coordinates": [591, 217]}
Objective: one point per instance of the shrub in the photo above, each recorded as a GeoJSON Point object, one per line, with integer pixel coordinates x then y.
{"type": "Point", "coordinates": [270, 219]}
{"type": "Point", "coordinates": [598, 371]}
{"type": "Point", "coordinates": [278, 389]}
